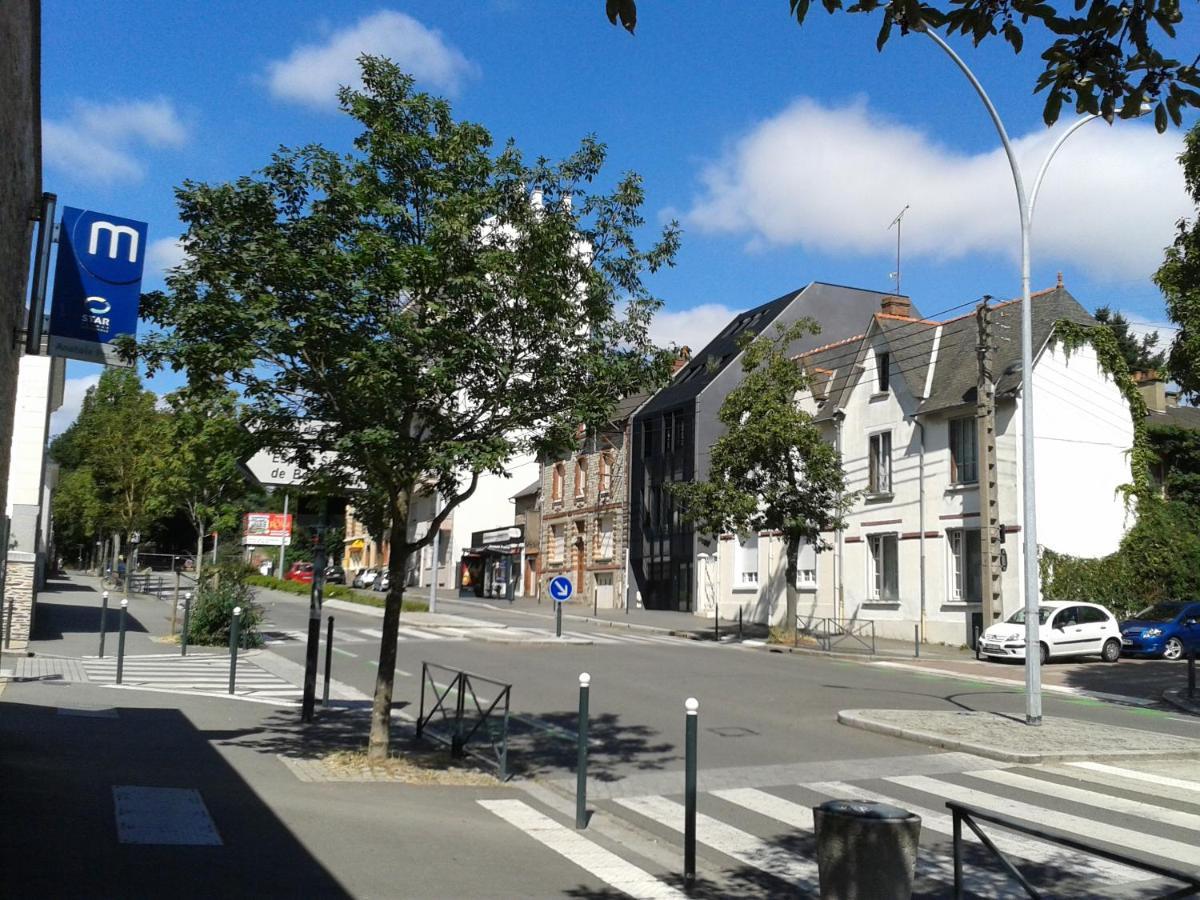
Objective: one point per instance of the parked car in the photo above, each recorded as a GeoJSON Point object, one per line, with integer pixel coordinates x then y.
{"type": "Point", "coordinates": [1064, 629]}
{"type": "Point", "coordinates": [383, 582]}
{"type": "Point", "coordinates": [1169, 629]}
{"type": "Point", "coordinates": [365, 578]}
{"type": "Point", "coordinates": [335, 575]}
{"type": "Point", "coordinates": [300, 571]}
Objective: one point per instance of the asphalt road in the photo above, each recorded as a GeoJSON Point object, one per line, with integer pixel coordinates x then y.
{"type": "Point", "coordinates": [757, 708]}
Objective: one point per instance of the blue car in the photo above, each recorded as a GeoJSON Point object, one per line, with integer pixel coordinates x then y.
{"type": "Point", "coordinates": [1169, 629]}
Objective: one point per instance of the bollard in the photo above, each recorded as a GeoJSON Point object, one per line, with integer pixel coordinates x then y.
{"type": "Point", "coordinates": [976, 645]}
{"type": "Point", "coordinates": [1192, 675]}
{"type": "Point", "coordinates": [175, 601]}
{"type": "Point", "coordinates": [717, 626]}
{"type": "Point", "coordinates": [917, 641]}
{"type": "Point", "coordinates": [187, 615]}
{"type": "Point", "coordinates": [328, 654]}
{"type": "Point", "coordinates": [585, 681]}
{"type": "Point", "coordinates": [557, 619]}
{"type": "Point", "coordinates": [739, 623]}
{"type": "Point", "coordinates": [233, 646]}
{"type": "Point", "coordinates": [121, 643]}
{"type": "Point", "coordinates": [103, 620]}
{"type": "Point", "coordinates": [692, 705]}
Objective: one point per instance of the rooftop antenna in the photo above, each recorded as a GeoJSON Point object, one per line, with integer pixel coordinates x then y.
{"type": "Point", "coordinates": [897, 222]}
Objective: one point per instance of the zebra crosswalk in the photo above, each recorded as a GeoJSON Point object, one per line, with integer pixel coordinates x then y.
{"type": "Point", "coordinates": [273, 635]}
{"type": "Point", "coordinates": [207, 673]}
{"type": "Point", "coordinates": [749, 834]}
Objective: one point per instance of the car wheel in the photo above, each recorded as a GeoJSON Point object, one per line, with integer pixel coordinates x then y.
{"type": "Point", "coordinates": [1112, 651]}
{"type": "Point", "coordinates": [1045, 653]}
{"type": "Point", "coordinates": [1173, 649]}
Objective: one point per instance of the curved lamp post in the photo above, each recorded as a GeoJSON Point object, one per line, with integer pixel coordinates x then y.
{"type": "Point", "coordinates": [1029, 558]}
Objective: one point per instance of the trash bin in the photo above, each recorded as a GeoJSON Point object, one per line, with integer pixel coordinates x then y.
{"type": "Point", "coordinates": [866, 850]}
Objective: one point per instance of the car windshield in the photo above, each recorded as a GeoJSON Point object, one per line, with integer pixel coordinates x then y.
{"type": "Point", "coordinates": [1018, 618]}
{"type": "Point", "coordinates": [1160, 612]}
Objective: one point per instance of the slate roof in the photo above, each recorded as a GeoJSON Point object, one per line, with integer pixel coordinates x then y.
{"type": "Point", "coordinates": [911, 341]}
{"type": "Point", "coordinates": [528, 491]}
{"type": "Point", "coordinates": [1179, 416]}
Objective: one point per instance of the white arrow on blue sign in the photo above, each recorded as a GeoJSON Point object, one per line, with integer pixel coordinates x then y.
{"type": "Point", "coordinates": [560, 588]}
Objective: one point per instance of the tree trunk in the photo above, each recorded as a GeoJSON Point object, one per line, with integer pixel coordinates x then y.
{"type": "Point", "coordinates": [793, 555]}
{"type": "Point", "coordinates": [385, 676]}
{"type": "Point", "coordinates": [199, 550]}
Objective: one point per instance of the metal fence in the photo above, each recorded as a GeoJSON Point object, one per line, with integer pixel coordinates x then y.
{"type": "Point", "coordinates": [462, 711]}
{"type": "Point", "coordinates": [848, 634]}
{"type": "Point", "coordinates": [969, 814]}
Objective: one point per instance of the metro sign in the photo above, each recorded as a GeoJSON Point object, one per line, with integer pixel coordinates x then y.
{"type": "Point", "coordinates": [97, 284]}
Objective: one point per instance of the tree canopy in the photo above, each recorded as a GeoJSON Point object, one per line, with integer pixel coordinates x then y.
{"type": "Point", "coordinates": [1179, 279]}
{"type": "Point", "coordinates": [1141, 354]}
{"type": "Point", "coordinates": [1103, 57]}
{"type": "Point", "coordinates": [410, 315]}
{"type": "Point", "coordinates": [772, 469]}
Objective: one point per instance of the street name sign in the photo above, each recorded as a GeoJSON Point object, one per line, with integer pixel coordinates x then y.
{"type": "Point", "coordinates": [97, 284]}
{"type": "Point", "coordinates": [560, 588]}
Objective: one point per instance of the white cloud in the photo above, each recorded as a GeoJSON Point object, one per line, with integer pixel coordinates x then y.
{"type": "Point", "coordinates": [692, 328]}
{"type": "Point", "coordinates": [831, 179]}
{"type": "Point", "coordinates": [164, 254]}
{"type": "Point", "coordinates": [99, 141]}
{"type": "Point", "coordinates": [74, 390]}
{"type": "Point", "coordinates": [313, 73]}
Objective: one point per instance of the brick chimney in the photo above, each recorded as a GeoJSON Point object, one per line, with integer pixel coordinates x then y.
{"type": "Point", "coordinates": [897, 305]}
{"type": "Point", "coordinates": [684, 357]}
{"type": "Point", "coordinates": [1153, 388]}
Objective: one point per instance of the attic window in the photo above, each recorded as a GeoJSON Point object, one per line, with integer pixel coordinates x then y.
{"type": "Point", "coordinates": [883, 363]}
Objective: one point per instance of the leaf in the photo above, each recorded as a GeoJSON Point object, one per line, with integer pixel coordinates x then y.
{"type": "Point", "coordinates": [625, 10]}
{"type": "Point", "coordinates": [1160, 118]}
{"type": "Point", "coordinates": [885, 30]}
{"type": "Point", "coordinates": [1053, 107]}
{"type": "Point", "coordinates": [1013, 35]}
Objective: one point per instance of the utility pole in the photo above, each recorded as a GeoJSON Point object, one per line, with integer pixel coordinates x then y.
{"type": "Point", "coordinates": [989, 507]}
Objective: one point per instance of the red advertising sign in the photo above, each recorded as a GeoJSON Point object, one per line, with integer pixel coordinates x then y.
{"type": "Point", "coordinates": [269, 525]}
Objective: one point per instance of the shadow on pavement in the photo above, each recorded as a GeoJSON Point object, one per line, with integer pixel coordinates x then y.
{"type": "Point", "coordinates": [58, 837]}
{"type": "Point", "coordinates": [56, 620]}
{"type": "Point", "coordinates": [545, 745]}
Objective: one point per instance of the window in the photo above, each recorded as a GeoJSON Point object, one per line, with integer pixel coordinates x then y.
{"type": "Point", "coordinates": [604, 537]}
{"type": "Point", "coordinates": [883, 364]}
{"type": "Point", "coordinates": [748, 561]}
{"type": "Point", "coordinates": [806, 578]}
{"type": "Point", "coordinates": [1090, 615]}
{"type": "Point", "coordinates": [966, 564]}
{"type": "Point", "coordinates": [883, 575]}
{"type": "Point", "coordinates": [558, 543]}
{"type": "Point", "coordinates": [879, 476]}
{"type": "Point", "coordinates": [605, 472]}
{"type": "Point", "coordinates": [964, 454]}
{"type": "Point", "coordinates": [560, 476]}
{"type": "Point", "coordinates": [580, 478]}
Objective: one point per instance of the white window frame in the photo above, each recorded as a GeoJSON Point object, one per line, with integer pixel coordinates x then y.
{"type": "Point", "coordinates": [873, 457]}
{"type": "Point", "coordinates": [877, 573]}
{"type": "Point", "coordinates": [558, 543]}
{"type": "Point", "coordinates": [959, 574]}
{"type": "Point", "coordinates": [747, 579]}
{"type": "Point", "coordinates": [806, 578]}
{"type": "Point", "coordinates": [605, 527]}
{"type": "Point", "coordinates": [883, 372]}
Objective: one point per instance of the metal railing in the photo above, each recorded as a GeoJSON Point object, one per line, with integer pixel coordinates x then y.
{"type": "Point", "coordinates": [830, 633]}
{"type": "Point", "coordinates": [462, 723]}
{"type": "Point", "coordinates": [964, 813]}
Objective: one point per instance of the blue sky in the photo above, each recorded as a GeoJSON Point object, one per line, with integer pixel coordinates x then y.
{"type": "Point", "coordinates": [784, 151]}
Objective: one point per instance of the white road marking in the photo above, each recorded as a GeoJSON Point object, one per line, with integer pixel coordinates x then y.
{"type": "Point", "coordinates": [1179, 784]}
{"type": "Point", "coordinates": [1126, 838]}
{"type": "Point", "coordinates": [345, 652]}
{"type": "Point", "coordinates": [592, 858]}
{"type": "Point", "coordinates": [797, 871]}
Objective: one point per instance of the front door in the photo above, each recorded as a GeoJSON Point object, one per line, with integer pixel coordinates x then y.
{"type": "Point", "coordinates": [604, 590]}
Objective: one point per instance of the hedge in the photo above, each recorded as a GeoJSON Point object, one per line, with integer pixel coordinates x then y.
{"type": "Point", "coordinates": [332, 591]}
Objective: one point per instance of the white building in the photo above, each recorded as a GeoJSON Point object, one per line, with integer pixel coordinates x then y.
{"type": "Point", "coordinates": [899, 401]}
{"type": "Point", "coordinates": [30, 481]}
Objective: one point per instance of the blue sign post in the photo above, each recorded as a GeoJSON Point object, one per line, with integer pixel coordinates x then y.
{"type": "Point", "coordinates": [560, 593]}
{"type": "Point", "coordinates": [97, 284]}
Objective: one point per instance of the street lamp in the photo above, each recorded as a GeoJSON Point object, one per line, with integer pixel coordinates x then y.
{"type": "Point", "coordinates": [1025, 205]}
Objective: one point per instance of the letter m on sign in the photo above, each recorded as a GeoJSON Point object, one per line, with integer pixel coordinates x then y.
{"type": "Point", "coordinates": [114, 239]}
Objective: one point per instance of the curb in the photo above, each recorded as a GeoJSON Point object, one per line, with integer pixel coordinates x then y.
{"type": "Point", "coordinates": [854, 719]}
{"type": "Point", "coordinates": [1175, 696]}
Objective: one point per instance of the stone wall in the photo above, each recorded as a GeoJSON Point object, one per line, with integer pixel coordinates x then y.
{"type": "Point", "coordinates": [18, 592]}
{"type": "Point", "coordinates": [20, 191]}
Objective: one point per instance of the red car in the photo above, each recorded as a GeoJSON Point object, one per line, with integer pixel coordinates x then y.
{"type": "Point", "coordinates": [300, 571]}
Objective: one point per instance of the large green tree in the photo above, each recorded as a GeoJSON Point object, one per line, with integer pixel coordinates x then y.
{"type": "Point", "coordinates": [1179, 279]}
{"type": "Point", "coordinates": [772, 469]}
{"type": "Point", "coordinates": [1141, 354]}
{"type": "Point", "coordinates": [1105, 57]}
{"type": "Point", "coordinates": [120, 437]}
{"type": "Point", "coordinates": [413, 314]}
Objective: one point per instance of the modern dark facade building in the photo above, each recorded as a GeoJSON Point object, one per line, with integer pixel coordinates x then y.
{"type": "Point", "coordinates": [674, 431]}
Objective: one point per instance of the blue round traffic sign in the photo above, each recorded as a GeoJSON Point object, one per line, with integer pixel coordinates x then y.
{"type": "Point", "coordinates": [560, 588]}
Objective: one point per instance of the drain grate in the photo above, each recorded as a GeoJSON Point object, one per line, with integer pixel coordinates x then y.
{"type": "Point", "coordinates": [154, 815]}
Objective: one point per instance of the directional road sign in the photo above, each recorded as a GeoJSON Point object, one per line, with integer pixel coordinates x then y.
{"type": "Point", "coordinates": [560, 588]}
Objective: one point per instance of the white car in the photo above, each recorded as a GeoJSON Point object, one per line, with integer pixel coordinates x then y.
{"type": "Point", "coordinates": [1064, 629]}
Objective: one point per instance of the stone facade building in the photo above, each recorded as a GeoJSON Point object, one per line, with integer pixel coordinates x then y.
{"type": "Point", "coordinates": [585, 513]}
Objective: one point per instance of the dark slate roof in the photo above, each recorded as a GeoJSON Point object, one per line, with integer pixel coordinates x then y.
{"type": "Point", "coordinates": [1179, 416]}
{"type": "Point", "coordinates": [911, 341]}
{"type": "Point", "coordinates": [838, 309]}
{"type": "Point", "coordinates": [528, 491]}
{"type": "Point", "coordinates": [627, 407]}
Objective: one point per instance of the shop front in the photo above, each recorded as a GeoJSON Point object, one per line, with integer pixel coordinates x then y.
{"type": "Point", "coordinates": [491, 567]}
